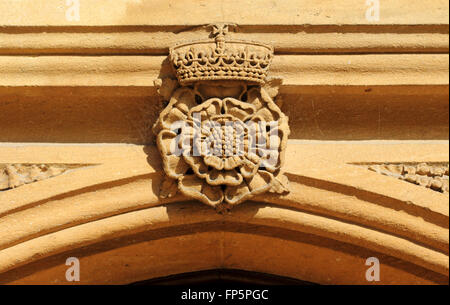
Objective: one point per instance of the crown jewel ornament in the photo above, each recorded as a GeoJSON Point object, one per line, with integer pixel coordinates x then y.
{"type": "Point", "coordinates": [221, 59]}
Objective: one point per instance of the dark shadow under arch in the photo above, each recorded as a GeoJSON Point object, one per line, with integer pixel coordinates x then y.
{"type": "Point", "coordinates": [224, 277]}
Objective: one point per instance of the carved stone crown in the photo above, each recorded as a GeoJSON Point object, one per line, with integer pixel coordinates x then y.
{"type": "Point", "coordinates": [219, 59]}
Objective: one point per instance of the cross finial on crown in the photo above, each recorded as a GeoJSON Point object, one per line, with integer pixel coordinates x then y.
{"type": "Point", "coordinates": [219, 31]}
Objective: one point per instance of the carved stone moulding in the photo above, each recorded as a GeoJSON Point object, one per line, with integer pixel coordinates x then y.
{"type": "Point", "coordinates": [222, 135]}
{"type": "Point", "coordinates": [15, 175]}
{"type": "Point", "coordinates": [432, 176]}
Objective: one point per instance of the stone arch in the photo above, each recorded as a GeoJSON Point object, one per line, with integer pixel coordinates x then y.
{"type": "Point", "coordinates": [323, 231]}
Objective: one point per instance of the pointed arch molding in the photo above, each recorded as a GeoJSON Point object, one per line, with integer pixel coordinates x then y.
{"type": "Point", "coordinates": [335, 215]}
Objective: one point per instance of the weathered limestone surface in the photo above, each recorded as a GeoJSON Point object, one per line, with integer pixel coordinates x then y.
{"type": "Point", "coordinates": [80, 171]}
{"type": "Point", "coordinates": [172, 12]}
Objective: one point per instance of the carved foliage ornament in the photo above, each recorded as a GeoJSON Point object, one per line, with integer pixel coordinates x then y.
{"type": "Point", "coordinates": [222, 137]}
{"type": "Point", "coordinates": [15, 175]}
{"type": "Point", "coordinates": [432, 176]}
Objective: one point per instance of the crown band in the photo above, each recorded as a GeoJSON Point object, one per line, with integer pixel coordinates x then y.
{"type": "Point", "coordinates": [221, 60]}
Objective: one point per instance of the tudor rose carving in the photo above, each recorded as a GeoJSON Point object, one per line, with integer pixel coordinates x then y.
{"type": "Point", "coordinates": [221, 136]}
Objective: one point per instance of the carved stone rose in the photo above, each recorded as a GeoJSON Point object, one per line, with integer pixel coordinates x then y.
{"type": "Point", "coordinates": [221, 137]}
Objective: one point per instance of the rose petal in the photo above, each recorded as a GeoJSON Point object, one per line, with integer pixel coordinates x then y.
{"type": "Point", "coordinates": [198, 166]}
{"type": "Point", "coordinates": [213, 193]}
{"type": "Point", "coordinates": [214, 161]}
{"type": "Point", "coordinates": [261, 182]}
{"type": "Point", "coordinates": [168, 187]}
{"type": "Point", "coordinates": [166, 142]}
{"type": "Point", "coordinates": [266, 115]}
{"type": "Point", "coordinates": [192, 186]}
{"type": "Point", "coordinates": [238, 109]}
{"type": "Point", "coordinates": [270, 159]}
{"type": "Point", "coordinates": [207, 109]}
{"type": "Point", "coordinates": [254, 98]}
{"type": "Point", "coordinates": [237, 194]}
{"type": "Point", "coordinates": [185, 99]}
{"type": "Point", "coordinates": [171, 117]}
{"type": "Point", "coordinates": [174, 165]}
{"type": "Point", "coordinates": [249, 169]}
{"type": "Point", "coordinates": [232, 162]}
{"type": "Point", "coordinates": [181, 100]}
{"type": "Point", "coordinates": [280, 184]}
{"type": "Point", "coordinates": [272, 86]}
{"type": "Point", "coordinates": [224, 178]}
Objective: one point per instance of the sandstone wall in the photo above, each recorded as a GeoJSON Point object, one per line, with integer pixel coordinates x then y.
{"type": "Point", "coordinates": [80, 173]}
